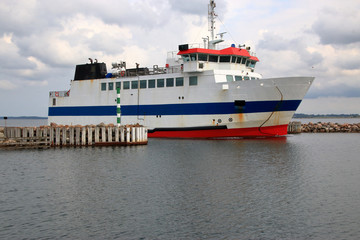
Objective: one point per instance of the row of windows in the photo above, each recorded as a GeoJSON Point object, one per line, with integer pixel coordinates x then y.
{"type": "Point", "coordinates": [231, 78]}
{"type": "Point", "coordinates": [221, 59]}
{"type": "Point", "coordinates": [151, 83]}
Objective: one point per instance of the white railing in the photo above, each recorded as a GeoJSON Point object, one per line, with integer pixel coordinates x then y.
{"type": "Point", "coordinates": [60, 93]}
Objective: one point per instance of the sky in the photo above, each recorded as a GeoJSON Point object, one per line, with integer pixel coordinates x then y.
{"type": "Point", "coordinates": [41, 41]}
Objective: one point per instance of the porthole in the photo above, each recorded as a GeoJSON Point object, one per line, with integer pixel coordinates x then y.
{"type": "Point", "coordinates": [219, 121]}
{"type": "Point", "coordinates": [230, 119]}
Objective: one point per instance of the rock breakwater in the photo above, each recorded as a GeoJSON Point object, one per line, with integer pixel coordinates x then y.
{"type": "Point", "coordinates": [328, 127]}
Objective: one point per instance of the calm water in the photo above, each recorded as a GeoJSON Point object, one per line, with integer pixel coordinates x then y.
{"type": "Point", "coordinates": [301, 187]}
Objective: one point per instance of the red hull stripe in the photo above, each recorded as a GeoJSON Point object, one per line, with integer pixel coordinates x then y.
{"type": "Point", "coordinates": [271, 131]}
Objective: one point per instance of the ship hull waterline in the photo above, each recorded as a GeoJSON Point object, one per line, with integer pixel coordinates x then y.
{"type": "Point", "coordinates": [254, 132]}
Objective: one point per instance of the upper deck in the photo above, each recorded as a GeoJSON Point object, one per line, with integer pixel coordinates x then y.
{"type": "Point", "coordinates": [202, 59]}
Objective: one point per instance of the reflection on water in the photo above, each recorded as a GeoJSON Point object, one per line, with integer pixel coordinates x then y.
{"type": "Point", "coordinates": [300, 187]}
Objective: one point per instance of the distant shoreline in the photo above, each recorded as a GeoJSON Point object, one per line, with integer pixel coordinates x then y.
{"type": "Point", "coordinates": [24, 117]}
{"type": "Point", "coordinates": [301, 115]}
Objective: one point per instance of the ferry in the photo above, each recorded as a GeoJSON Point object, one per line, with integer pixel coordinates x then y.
{"type": "Point", "coordinates": [203, 91]}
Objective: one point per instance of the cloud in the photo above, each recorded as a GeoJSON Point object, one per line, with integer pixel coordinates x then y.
{"type": "Point", "coordinates": [7, 85]}
{"type": "Point", "coordinates": [335, 27]}
{"type": "Point", "coordinates": [37, 83]}
{"type": "Point", "coordinates": [196, 7]}
{"type": "Point", "coordinates": [349, 59]}
{"type": "Point", "coordinates": [338, 90]}
{"type": "Point", "coordinates": [9, 55]}
{"type": "Point", "coordinates": [273, 42]}
{"type": "Point", "coordinates": [332, 105]}
{"type": "Point", "coordinates": [325, 46]}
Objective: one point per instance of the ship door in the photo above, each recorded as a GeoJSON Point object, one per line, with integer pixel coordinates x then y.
{"type": "Point", "coordinates": [239, 105]}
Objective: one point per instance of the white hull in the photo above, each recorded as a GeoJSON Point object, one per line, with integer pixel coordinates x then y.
{"type": "Point", "coordinates": [210, 91]}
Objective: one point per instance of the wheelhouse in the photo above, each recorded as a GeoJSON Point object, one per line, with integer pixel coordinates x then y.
{"type": "Point", "coordinates": [201, 59]}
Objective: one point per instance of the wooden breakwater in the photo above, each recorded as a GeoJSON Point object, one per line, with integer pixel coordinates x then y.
{"type": "Point", "coordinates": [53, 136]}
{"type": "Point", "coordinates": [294, 127]}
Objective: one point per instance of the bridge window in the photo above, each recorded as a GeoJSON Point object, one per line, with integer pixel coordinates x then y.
{"type": "Point", "coordinates": [233, 59]}
{"type": "Point", "coordinates": [238, 78]}
{"type": "Point", "coordinates": [103, 86]}
{"type": "Point", "coordinates": [160, 83]}
{"type": "Point", "coordinates": [151, 83]}
{"type": "Point", "coordinates": [179, 81]}
{"type": "Point", "coordinates": [252, 64]}
{"type": "Point", "coordinates": [134, 84]}
{"type": "Point", "coordinates": [169, 82]}
{"type": "Point", "coordinates": [193, 57]}
{"type": "Point", "coordinates": [238, 60]}
{"type": "Point", "coordinates": [202, 57]}
{"type": "Point", "coordinates": [118, 85]}
{"type": "Point", "coordinates": [213, 58]}
{"type": "Point", "coordinates": [225, 59]}
{"type": "Point", "coordinates": [126, 85]}
{"type": "Point", "coordinates": [111, 86]}
{"type": "Point", "coordinates": [243, 61]}
{"type": "Point", "coordinates": [186, 58]}
{"type": "Point", "coordinates": [229, 78]}
{"type": "Point", "coordinates": [142, 83]}
{"type": "Point", "coordinates": [246, 78]}
{"type": "Point", "coordinates": [193, 81]}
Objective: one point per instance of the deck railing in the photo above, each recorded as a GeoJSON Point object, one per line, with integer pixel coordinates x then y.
{"type": "Point", "coordinates": [60, 93]}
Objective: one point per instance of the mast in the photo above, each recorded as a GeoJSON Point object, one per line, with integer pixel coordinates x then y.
{"type": "Point", "coordinates": [211, 21]}
{"type": "Point", "coordinates": [211, 18]}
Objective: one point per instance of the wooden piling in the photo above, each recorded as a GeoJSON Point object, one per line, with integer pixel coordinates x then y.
{"type": "Point", "coordinates": [18, 132]}
{"type": "Point", "coordinates": [72, 136]}
{"type": "Point", "coordinates": [103, 134]}
{"type": "Point", "coordinates": [97, 138]}
{"type": "Point", "coordinates": [109, 134]}
{"type": "Point", "coordinates": [117, 135]}
{"type": "Point", "coordinates": [78, 136]}
{"type": "Point", "coordinates": [64, 136]}
{"type": "Point", "coordinates": [122, 134]}
{"type": "Point", "coordinates": [57, 136]}
{"type": "Point", "coordinates": [51, 136]}
{"type": "Point", "coordinates": [83, 136]}
{"type": "Point", "coordinates": [90, 134]}
{"type": "Point", "coordinates": [294, 127]}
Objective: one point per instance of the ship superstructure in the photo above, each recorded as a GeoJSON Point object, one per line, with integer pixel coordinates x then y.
{"type": "Point", "coordinates": [204, 91]}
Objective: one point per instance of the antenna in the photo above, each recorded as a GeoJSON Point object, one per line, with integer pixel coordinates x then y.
{"type": "Point", "coordinates": [221, 34]}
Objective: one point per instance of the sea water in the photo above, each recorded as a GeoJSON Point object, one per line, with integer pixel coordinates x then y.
{"type": "Point", "coordinates": [303, 186]}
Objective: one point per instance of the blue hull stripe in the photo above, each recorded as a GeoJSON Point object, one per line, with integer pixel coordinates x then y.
{"type": "Point", "coordinates": [177, 109]}
{"type": "Point", "coordinates": [83, 111]}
